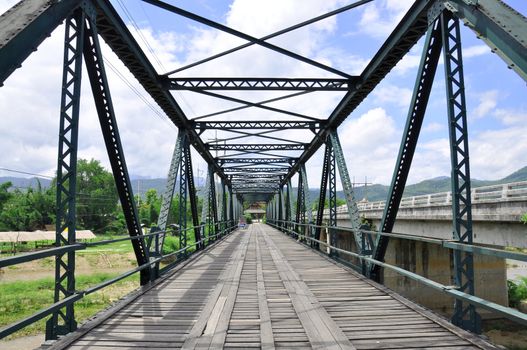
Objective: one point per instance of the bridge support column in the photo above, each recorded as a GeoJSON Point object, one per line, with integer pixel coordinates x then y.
{"type": "Point", "coordinates": [465, 315]}
{"type": "Point", "coordinates": [63, 321]}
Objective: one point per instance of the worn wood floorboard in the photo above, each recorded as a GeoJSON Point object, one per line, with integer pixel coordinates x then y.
{"type": "Point", "coordinates": [259, 289]}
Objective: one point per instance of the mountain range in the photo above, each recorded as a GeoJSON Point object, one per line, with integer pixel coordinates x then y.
{"type": "Point", "coordinates": [372, 193]}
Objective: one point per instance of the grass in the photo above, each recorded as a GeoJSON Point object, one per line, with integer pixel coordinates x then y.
{"type": "Point", "coordinates": [23, 298]}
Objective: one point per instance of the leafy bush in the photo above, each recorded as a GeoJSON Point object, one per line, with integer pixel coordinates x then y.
{"type": "Point", "coordinates": [171, 244]}
{"type": "Point", "coordinates": [524, 218]}
{"type": "Point", "coordinates": [517, 291]}
{"type": "Point", "coordinates": [248, 218]}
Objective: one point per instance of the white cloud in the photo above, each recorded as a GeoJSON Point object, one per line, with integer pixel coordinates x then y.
{"type": "Point", "coordinates": [487, 101]}
{"type": "Point", "coordinates": [433, 127]}
{"type": "Point", "coordinates": [511, 146]}
{"type": "Point", "coordinates": [476, 50]}
{"type": "Point", "coordinates": [510, 117]}
{"type": "Point", "coordinates": [380, 17]}
{"type": "Point", "coordinates": [389, 93]}
{"type": "Point", "coordinates": [370, 144]}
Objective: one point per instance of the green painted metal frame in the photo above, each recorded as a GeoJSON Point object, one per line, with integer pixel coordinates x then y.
{"type": "Point", "coordinates": [63, 320]}
{"type": "Point", "coordinates": [465, 316]}
{"type": "Point", "coordinates": [107, 120]}
{"type": "Point", "coordinates": [421, 94]}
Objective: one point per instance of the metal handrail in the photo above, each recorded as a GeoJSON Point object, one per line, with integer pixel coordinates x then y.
{"type": "Point", "coordinates": [483, 194]}
{"type": "Point", "coordinates": [507, 312]}
{"type": "Point", "coordinates": [512, 190]}
{"type": "Point", "coordinates": [445, 243]}
{"type": "Point", "coordinates": [9, 329]}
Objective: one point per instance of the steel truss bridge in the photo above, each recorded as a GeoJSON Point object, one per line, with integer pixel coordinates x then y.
{"type": "Point", "coordinates": [258, 164]}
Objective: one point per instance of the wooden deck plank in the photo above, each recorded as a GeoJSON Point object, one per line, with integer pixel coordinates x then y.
{"type": "Point", "coordinates": [258, 288]}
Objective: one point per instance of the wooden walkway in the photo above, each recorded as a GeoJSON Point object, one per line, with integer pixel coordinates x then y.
{"type": "Point", "coordinates": [260, 289]}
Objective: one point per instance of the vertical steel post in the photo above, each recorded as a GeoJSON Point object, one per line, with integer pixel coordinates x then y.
{"type": "Point", "coordinates": [465, 315]}
{"type": "Point", "coordinates": [323, 188]}
{"type": "Point", "coordinates": [300, 214]}
{"type": "Point", "coordinates": [183, 196]}
{"type": "Point", "coordinates": [223, 207]}
{"type": "Point", "coordinates": [213, 202]}
{"type": "Point", "coordinates": [307, 202]}
{"type": "Point", "coordinates": [205, 209]}
{"type": "Point", "coordinates": [231, 208]}
{"type": "Point", "coordinates": [290, 204]}
{"type": "Point", "coordinates": [288, 199]}
{"type": "Point", "coordinates": [332, 182]}
{"type": "Point", "coordinates": [63, 321]}
{"type": "Point", "coordinates": [280, 208]}
{"type": "Point", "coordinates": [414, 121]}
{"type": "Point", "coordinates": [192, 193]}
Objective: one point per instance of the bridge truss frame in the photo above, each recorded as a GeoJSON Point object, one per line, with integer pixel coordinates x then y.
{"type": "Point", "coordinates": [263, 175]}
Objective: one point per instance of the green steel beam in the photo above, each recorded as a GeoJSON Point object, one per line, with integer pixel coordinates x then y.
{"type": "Point", "coordinates": [25, 26]}
{"type": "Point", "coordinates": [502, 28]}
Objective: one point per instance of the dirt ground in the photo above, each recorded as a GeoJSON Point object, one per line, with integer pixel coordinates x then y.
{"type": "Point", "coordinates": [24, 343]}
{"type": "Point", "coordinates": [506, 333]}
{"type": "Point", "coordinates": [85, 263]}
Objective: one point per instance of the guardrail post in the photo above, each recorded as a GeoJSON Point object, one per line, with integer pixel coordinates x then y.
{"type": "Point", "coordinates": [505, 191]}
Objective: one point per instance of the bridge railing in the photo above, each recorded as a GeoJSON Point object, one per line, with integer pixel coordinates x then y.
{"type": "Point", "coordinates": [222, 229]}
{"type": "Point", "coordinates": [493, 193]}
{"type": "Point", "coordinates": [305, 234]}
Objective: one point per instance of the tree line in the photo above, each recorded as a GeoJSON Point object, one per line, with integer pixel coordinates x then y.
{"type": "Point", "coordinates": [97, 204]}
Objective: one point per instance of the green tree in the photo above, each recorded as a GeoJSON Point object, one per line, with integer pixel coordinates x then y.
{"type": "Point", "coordinates": [340, 202]}
{"type": "Point", "coordinates": [5, 195]}
{"type": "Point", "coordinates": [27, 210]}
{"type": "Point", "coordinates": [97, 198]}
{"type": "Point", "coordinates": [149, 207]}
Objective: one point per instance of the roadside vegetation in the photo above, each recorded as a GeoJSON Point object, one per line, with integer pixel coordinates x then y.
{"type": "Point", "coordinates": [23, 298]}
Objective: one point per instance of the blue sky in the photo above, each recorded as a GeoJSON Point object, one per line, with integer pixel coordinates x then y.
{"type": "Point", "coordinates": [496, 102]}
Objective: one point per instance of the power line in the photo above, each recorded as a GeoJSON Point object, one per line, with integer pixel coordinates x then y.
{"type": "Point", "coordinates": [137, 92]}
{"type": "Point", "coordinates": [26, 173]}
{"type": "Point", "coordinates": [136, 27]}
